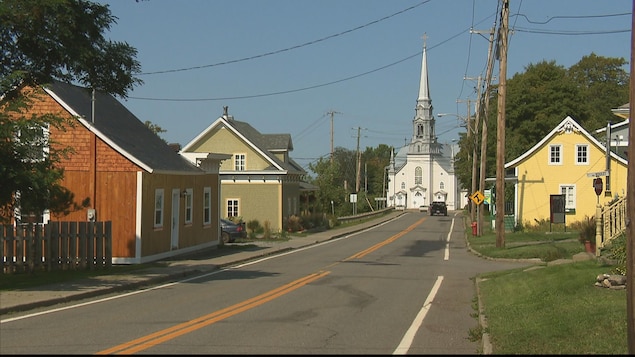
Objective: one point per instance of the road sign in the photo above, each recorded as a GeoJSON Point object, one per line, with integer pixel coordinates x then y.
{"type": "Point", "coordinates": [477, 197]}
{"type": "Point", "coordinates": [597, 185]}
{"type": "Point", "coordinates": [597, 174]}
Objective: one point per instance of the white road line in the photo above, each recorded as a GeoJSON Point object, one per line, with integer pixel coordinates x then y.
{"type": "Point", "coordinates": [447, 244]}
{"type": "Point", "coordinates": [407, 339]}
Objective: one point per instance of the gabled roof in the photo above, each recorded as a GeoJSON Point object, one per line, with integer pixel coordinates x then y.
{"type": "Point", "coordinates": [265, 144]}
{"type": "Point", "coordinates": [120, 129]}
{"type": "Point", "coordinates": [566, 125]}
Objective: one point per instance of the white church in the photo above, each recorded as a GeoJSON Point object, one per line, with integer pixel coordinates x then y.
{"type": "Point", "coordinates": [422, 171]}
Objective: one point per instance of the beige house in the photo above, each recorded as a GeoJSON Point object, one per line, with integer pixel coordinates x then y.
{"type": "Point", "coordinates": [260, 181]}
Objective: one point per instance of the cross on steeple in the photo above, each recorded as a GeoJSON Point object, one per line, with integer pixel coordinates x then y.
{"type": "Point", "coordinates": [424, 37]}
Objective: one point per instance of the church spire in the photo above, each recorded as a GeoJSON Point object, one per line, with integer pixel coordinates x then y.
{"type": "Point", "coordinates": [424, 87]}
{"type": "Point", "coordinates": [424, 140]}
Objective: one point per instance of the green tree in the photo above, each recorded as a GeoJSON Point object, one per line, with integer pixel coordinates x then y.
{"type": "Point", "coordinates": [155, 129]}
{"type": "Point", "coordinates": [539, 98]}
{"type": "Point", "coordinates": [42, 41]}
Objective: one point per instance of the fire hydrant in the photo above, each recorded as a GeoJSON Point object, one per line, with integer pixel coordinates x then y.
{"type": "Point", "coordinates": [474, 228]}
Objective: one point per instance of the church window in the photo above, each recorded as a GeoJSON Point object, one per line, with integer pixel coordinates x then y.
{"type": "Point", "coordinates": [418, 175]}
{"type": "Point", "coordinates": [419, 130]}
{"type": "Point", "coordinates": [403, 185]}
{"type": "Point", "coordinates": [441, 185]}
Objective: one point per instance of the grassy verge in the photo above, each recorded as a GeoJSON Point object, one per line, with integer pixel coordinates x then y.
{"type": "Point", "coordinates": [555, 309]}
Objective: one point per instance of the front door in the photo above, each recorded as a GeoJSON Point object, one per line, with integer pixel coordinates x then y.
{"type": "Point", "coordinates": [176, 204]}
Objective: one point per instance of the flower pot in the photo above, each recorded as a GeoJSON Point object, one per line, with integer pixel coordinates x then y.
{"type": "Point", "coordinates": [589, 246]}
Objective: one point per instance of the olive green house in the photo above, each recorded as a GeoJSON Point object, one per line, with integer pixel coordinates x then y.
{"type": "Point", "coordinates": [259, 180]}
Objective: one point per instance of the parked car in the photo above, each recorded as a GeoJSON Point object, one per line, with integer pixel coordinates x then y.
{"type": "Point", "coordinates": [230, 231]}
{"type": "Point", "coordinates": [438, 207]}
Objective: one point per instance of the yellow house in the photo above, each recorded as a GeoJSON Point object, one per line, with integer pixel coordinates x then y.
{"type": "Point", "coordinates": [565, 162]}
{"type": "Point", "coordinates": [259, 181]}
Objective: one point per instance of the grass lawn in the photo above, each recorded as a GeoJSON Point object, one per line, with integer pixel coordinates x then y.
{"type": "Point", "coordinates": [551, 309]}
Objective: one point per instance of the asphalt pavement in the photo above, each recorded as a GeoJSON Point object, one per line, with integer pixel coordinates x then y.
{"type": "Point", "coordinates": [171, 269]}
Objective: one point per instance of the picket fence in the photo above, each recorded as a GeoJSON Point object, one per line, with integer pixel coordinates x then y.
{"type": "Point", "coordinates": [56, 246]}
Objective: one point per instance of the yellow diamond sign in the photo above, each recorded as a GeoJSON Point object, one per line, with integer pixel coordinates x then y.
{"type": "Point", "coordinates": [477, 197]}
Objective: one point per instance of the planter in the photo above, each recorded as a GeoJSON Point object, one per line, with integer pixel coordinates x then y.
{"type": "Point", "coordinates": [589, 246]}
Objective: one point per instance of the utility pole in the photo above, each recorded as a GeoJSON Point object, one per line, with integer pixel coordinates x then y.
{"type": "Point", "coordinates": [477, 120]}
{"type": "Point", "coordinates": [484, 112]}
{"type": "Point", "coordinates": [630, 203]}
{"type": "Point", "coordinates": [471, 138]}
{"type": "Point", "coordinates": [500, 128]}
{"type": "Point", "coordinates": [359, 162]}
{"type": "Point", "coordinates": [331, 113]}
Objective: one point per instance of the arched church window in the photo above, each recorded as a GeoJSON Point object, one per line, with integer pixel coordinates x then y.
{"type": "Point", "coordinates": [419, 130]}
{"type": "Point", "coordinates": [441, 185]}
{"type": "Point", "coordinates": [418, 175]}
{"type": "Point", "coordinates": [403, 185]}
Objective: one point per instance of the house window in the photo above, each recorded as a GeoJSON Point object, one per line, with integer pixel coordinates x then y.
{"type": "Point", "coordinates": [158, 208]}
{"type": "Point", "coordinates": [555, 154]}
{"type": "Point", "coordinates": [582, 154]}
{"type": "Point", "coordinates": [207, 205]}
{"type": "Point", "coordinates": [34, 143]}
{"type": "Point", "coordinates": [232, 208]}
{"type": "Point", "coordinates": [188, 206]}
{"type": "Point", "coordinates": [239, 162]}
{"type": "Point", "coordinates": [418, 174]}
{"type": "Point", "coordinates": [569, 197]}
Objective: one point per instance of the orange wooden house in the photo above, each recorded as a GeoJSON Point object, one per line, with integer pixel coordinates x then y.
{"type": "Point", "coordinates": [159, 203]}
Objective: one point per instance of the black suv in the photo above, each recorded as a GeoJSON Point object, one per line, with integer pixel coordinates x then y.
{"type": "Point", "coordinates": [438, 207]}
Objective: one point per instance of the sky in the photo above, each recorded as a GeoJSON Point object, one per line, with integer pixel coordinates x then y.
{"type": "Point", "coordinates": [300, 67]}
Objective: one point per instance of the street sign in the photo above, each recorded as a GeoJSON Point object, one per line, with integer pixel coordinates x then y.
{"type": "Point", "coordinates": [477, 197]}
{"type": "Point", "coordinates": [597, 174]}
{"type": "Point", "coordinates": [597, 185]}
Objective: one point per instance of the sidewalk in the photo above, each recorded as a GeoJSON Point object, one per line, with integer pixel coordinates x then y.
{"type": "Point", "coordinates": [173, 269]}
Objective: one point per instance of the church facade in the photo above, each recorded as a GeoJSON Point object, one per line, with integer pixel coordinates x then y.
{"type": "Point", "coordinates": [422, 171]}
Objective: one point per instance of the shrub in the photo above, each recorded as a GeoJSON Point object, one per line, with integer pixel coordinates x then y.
{"type": "Point", "coordinates": [616, 249]}
{"type": "Point", "coordinates": [586, 229]}
{"type": "Point", "coordinates": [253, 226]}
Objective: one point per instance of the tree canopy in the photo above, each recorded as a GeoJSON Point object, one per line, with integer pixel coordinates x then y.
{"type": "Point", "coordinates": [42, 41]}
{"type": "Point", "coordinates": [542, 96]}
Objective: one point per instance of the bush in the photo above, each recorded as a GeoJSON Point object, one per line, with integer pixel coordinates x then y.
{"type": "Point", "coordinates": [586, 228]}
{"type": "Point", "coordinates": [616, 249]}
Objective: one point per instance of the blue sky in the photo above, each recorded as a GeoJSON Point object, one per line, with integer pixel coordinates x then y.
{"type": "Point", "coordinates": [283, 65]}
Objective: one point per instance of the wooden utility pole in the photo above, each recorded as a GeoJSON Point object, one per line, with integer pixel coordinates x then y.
{"type": "Point", "coordinates": [332, 112]}
{"type": "Point", "coordinates": [471, 139]}
{"type": "Point", "coordinates": [484, 99]}
{"type": "Point", "coordinates": [630, 204]}
{"type": "Point", "coordinates": [500, 128]}
{"type": "Point", "coordinates": [359, 162]}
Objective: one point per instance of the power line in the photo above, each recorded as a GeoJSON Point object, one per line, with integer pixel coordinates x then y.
{"type": "Point", "coordinates": [288, 48]}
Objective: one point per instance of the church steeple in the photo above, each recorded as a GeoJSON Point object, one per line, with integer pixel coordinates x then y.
{"type": "Point", "coordinates": [424, 140]}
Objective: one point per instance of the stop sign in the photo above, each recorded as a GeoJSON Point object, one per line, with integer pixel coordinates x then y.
{"type": "Point", "coordinates": [597, 185]}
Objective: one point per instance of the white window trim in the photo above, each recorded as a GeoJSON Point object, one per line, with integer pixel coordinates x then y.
{"type": "Point", "coordinates": [189, 205]}
{"type": "Point", "coordinates": [244, 161]}
{"type": "Point", "coordinates": [569, 204]}
{"type": "Point", "coordinates": [159, 201]}
{"type": "Point", "coordinates": [588, 153]}
{"type": "Point", "coordinates": [237, 206]}
{"type": "Point", "coordinates": [207, 205]}
{"type": "Point", "coordinates": [561, 151]}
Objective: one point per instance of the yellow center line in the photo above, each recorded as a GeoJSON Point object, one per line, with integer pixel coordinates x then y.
{"type": "Point", "coordinates": [192, 325]}
{"type": "Point", "coordinates": [167, 334]}
{"type": "Point", "coordinates": [387, 241]}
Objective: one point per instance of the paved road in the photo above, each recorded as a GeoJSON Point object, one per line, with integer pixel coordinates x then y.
{"type": "Point", "coordinates": [379, 283]}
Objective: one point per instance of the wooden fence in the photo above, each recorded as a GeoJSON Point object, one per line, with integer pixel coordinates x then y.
{"type": "Point", "coordinates": [56, 246]}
